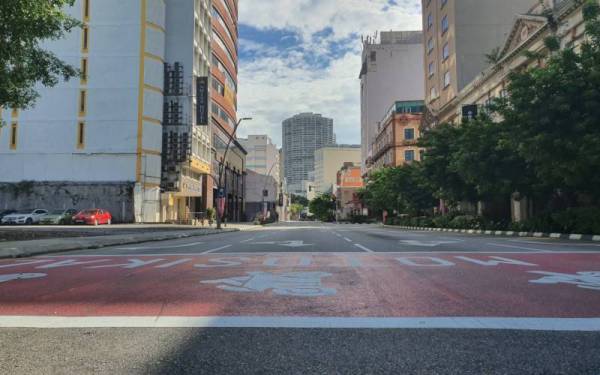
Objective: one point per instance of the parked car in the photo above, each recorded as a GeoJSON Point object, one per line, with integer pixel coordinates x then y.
{"type": "Point", "coordinates": [59, 217]}
{"type": "Point", "coordinates": [6, 212]}
{"type": "Point", "coordinates": [93, 216]}
{"type": "Point", "coordinates": [27, 217]}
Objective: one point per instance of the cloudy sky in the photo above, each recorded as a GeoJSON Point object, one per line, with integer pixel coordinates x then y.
{"type": "Point", "coordinates": [304, 55]}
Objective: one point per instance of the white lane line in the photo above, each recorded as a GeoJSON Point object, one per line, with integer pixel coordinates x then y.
{"type": "Point", "coordinates": [519, 247]}
{"type": "Point", "coordinates": [217, 249]}
{"type": "Point", "coordinates": [347, 239]}
{"type": "Point", "coordinates": [363, 248]}
{"type": "Point", "coordinates": [161, 247]}
{"type": "Point", "coordinates": [248, 240]}
{"type": "Point", "coordinates": [476, 323]}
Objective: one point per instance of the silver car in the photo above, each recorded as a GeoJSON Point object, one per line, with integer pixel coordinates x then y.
{"type": "Point", "coordinates": [26, 217]}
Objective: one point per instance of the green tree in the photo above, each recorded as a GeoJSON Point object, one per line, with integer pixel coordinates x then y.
{"type": "Point", "coordinates": [296, 209]}
{"type": "Point", "coordinates": [24, 25]}
{"type": "Point", "coordinates": [300, 200]}
{"type": "Point", "coordinates": [323, 207]}
{"type": "Point", "coordinates": [553, 115]}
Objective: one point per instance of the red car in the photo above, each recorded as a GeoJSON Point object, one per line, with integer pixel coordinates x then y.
{"type": "Point", "coordinates": [94, 216]}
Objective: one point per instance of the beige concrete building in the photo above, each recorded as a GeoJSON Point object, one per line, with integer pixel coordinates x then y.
{"type": "Point", "coordinates": [527, 34]}
{"type": "Point", "coordinates": [457, 36]}
{"type": "Point", "coordinates": [263, 155]}
{"type": "Point", "coordinates": [329, 160]}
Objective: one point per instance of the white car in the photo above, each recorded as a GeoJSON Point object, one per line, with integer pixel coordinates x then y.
{"type": "Point", "coordinates": [27, 217]}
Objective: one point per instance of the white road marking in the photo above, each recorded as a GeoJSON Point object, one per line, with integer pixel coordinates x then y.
{"type": "Point", "coordinates": [519, 247]}
{"type": "Point", "coordinates": [427, 243]}
{"type": "Point", "coordinates": [475, 323]}
{"type": "Point", "coordinates": [347, 239]}
{"type": "Point", "coordinates": [217, 249]}
{"type": "Point", "coordinates": [363, 248]}
{"type": "Point", "coordinates": [248, 240]}
{"type": "Point", "coordinates": [161, 247]}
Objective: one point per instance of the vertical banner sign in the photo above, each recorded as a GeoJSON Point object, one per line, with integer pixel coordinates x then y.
{"type": "Point", "coordinates": [201, 100]}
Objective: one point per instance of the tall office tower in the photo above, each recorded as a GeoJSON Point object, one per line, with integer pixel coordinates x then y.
{"type": "Point", "coordinates": [224, 87]}
{"type": "Point", "coordinates": [392, 65]}
{"type": "Point", "coordinates": [458, 35]}
{"type": "Point", "coordinates": [303, 134]}
{"type": "Point", "coordinates": [98, 141]}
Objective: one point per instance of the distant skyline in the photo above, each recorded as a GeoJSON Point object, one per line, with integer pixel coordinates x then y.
{"type": "Point", "coordinates": [304, 56]}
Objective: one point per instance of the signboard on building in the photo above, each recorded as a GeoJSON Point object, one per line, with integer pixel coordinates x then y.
{"type": "Point", "coordinates": [202, 101]}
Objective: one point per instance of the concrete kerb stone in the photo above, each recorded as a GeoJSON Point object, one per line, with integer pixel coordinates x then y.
{"type": "Point", "coordinates": [23, 249]}
{"type": "Point", "coordinates": [562, 236]}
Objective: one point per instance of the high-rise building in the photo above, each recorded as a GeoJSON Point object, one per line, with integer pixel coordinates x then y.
{"type": "Point", "coordinates": [303, 134]}
{"type": "Point", "coordinates": [458, 36]}
{"type": "Point", "coordinates": [328, 161]}
{"type": "Point", "coordinates": [263, 155]}
{"type": "Point", "coordinates": [391, 66]}
{"type": "Point", "coordinates": [98, 141]}
{"type": "Point", "coordinates": [224, 88]}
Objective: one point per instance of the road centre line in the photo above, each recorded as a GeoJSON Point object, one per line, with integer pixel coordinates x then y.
{"type": "Point", "coordinates": [363, 248]}
{"type": "Point", "coordinates": [217, 249]}
{"type": "Point", "coordinates": [471, 323]}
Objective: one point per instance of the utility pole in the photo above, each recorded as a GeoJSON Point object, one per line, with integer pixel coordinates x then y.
{"type": "Point", "coordinates": [221, 193]}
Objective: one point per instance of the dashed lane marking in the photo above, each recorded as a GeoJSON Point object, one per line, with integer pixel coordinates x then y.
{"type": "Point", "coordinates": [247, 240]}
{"type": "Point", "coordinates": [217, 249]}
{"type": "Point", "coordinates": [363, 248]}
{"type": "Point", "coordinates": [347, 239]}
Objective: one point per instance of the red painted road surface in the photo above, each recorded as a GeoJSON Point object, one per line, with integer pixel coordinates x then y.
{"type": "Point", "coordinates": [323, 285]}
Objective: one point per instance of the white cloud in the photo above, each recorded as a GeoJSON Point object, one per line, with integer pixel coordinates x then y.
{"type": "Point", "coordinates": [275, 85]}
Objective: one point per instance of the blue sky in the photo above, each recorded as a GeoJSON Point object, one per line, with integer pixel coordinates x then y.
{"type": "Point", "coordinates": [304, 55]}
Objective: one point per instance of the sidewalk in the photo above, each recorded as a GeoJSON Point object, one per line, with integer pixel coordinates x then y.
{"type": "Point", "coordinates": [20, 249]}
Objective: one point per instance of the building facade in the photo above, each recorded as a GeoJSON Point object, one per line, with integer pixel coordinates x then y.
{"type": "Point", "coordinates": [458, 34]}
{"type": "Point", "coordinates": [391, 65]}
{"type": "Point", "coordinates": [328, 161]}
{"type": "Point", "coordinates": [397, 140]}
{"type": "Point", "coordinates": [223, 107]}
{"type": "Point", "coordinates": [303, 134]}
{"type": "Point", "coordinates": [348, 182]}
{"type": "Point", "coordinates": [263, 155]}
{"type": "Point", "coordinates": [261, 195]}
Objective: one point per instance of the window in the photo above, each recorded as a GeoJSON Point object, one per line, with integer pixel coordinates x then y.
{"type": "Point", "coordinates": [431, 69]}
{"type": "Point", "coordinates": [409, 134]}
{"type": "Point", "coordinates": [13, 136]}
{"type": "Point", "coordinates": [82, 102]}
{"type": "Point", "coordinates": [446, 52]}
{"type": "Point", "coordinates": [81, 135]}
{"type": "Point", "coordinates": [409, 155]}
{"type": "Point", "coordinates": [86, 36]}
{"type": "Point", "coordinates": [429, 45]}
{"type": "Point", "coordinates": [446, 79]}
{"type": "Point", "coordinates": [86, 10]}
{"type": "Point", "coordinates": [445, 25]}
{"type": "Point", "coordinates": [84, 70]}
{"type": "Point", "coordinates": [429, 21]}
{"type": "Point", "coordinates": [433, 93]}
{"type": "Point", "coordinates": [373, 56]}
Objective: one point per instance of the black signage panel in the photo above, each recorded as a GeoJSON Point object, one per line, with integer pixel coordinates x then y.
{"type": "Point", "coordinates": [202, 101]}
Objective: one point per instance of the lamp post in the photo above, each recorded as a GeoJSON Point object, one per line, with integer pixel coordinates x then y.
{"type": "Point", "coordinates": [219, 180]}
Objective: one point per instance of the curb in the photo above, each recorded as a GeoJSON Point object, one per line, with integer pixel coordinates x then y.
{"type": "Point", "coordinates": [561, 236]}
{"type": "Point", "coordinates": [24, 249]}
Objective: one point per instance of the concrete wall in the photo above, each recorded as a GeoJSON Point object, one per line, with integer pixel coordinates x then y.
{"type": "Point", "coordinates": [116, 197]}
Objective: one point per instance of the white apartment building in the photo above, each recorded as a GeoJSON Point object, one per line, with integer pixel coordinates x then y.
{"type": "Point", "coordinates": [392, 70]}
{"type": "Point", "coordinates": [98, 141]}
{"type": "Point", "coordinates": [263, 155]}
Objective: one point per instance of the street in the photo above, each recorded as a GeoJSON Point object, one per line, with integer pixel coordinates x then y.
{"type": "Point", "coordinates": [307, 298]}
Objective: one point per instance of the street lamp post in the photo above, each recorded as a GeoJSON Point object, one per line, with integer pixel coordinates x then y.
{"type": "Point", "coordinates": [221, 172]}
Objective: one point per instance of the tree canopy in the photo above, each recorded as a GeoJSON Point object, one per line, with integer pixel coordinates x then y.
{"type": "Point", "coordinates": [323, 207]}
{"type": "Point", "coordinates": [24, 26]}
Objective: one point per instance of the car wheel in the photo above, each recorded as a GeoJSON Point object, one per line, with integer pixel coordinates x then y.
{"type": "Point", "coordinates": [29, 221]}
{"type": "Point", "coordinates": [96, 222]}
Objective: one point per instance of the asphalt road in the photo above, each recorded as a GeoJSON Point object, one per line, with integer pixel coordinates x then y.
{"type": "Point", "coordinates": [307, 299]}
